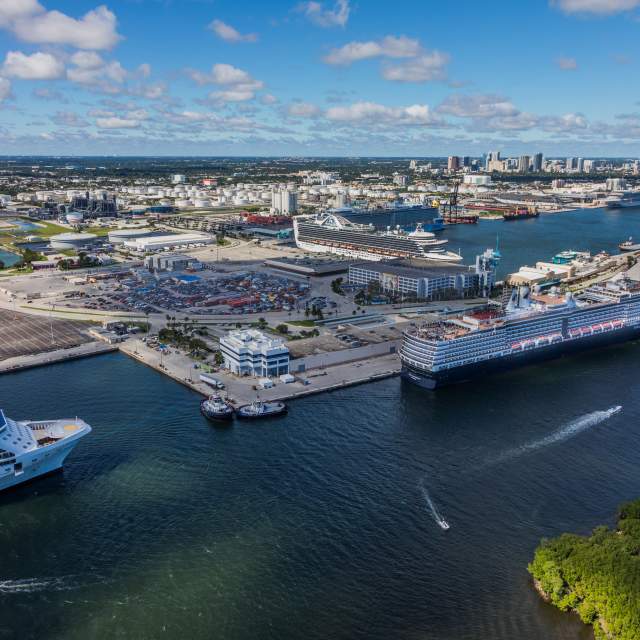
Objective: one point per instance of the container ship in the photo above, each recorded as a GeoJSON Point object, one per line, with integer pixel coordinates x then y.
{"type": "Point", "coordinates": [331, 233]}
{"type": "Point", "coordinates": [530, 327]}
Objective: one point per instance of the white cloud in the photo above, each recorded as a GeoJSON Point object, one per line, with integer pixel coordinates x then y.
{"type": "Point", "coordinates": [13, 9]}
{"type": "Point", "coordinates": [37, 66]}
{"type": "Point", "coordinates": [91, 70]}
{"type": "Point", "coordinates": [144, 69]}
{"type": "Point", "coordinates": [302, 110]}
{"type": "Point", "coordinates": [477, 106]}
{"type": "Point", "coordinates": [5, 89]}
{"type": "Point", "coordinates": [239, 85]}
{"type": "Point", "coordinates": [424, 68]}
{"type": "Point", "coordinates": [372, 113]}
{"type": "Point", "coordinates": [316, 12]}
{"type": "Point", "coordinates": [390, 47]}
{"type": "Point", "coordinates": [598, 7]}
{"type": "Point", "coordinates": [95, 30]}
{"type": "Point", "coordinates": [567, 64]}
{"type": "Point", "coordinates": [69, 119]}
{"type": "Point", "coordinates": [267, 98]}
{"type": "Point", "coordinates": [114, 122]}
{"type": "Point", "coordinates": [227, 33]}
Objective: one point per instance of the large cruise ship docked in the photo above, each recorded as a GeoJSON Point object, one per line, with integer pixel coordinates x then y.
{"type": "Point", "coordinates": [530, 328]}
{"type": "Point", "coordinates": [626, 200]}
{"type": "Point", "coordinates": [331, 233]}
{"type": "Point", "coordinates": [32, 449]}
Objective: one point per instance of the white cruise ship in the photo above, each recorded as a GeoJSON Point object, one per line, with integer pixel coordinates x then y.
{"type": "Point", "coordinates": [331, 233]}
{"type": "Point", "coordinates": [532, 327]}
{"type": "Point", "coordinates": [625, 200]}
{"type": "Point", "coordinates": [32, 449]}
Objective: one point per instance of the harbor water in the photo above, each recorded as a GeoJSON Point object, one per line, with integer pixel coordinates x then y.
{"type": "Point", "coordinates": [531, 240]}
{"type": "Point", "coordinates": [325, 523]}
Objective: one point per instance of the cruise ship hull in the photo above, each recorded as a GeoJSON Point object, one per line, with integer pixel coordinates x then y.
{"type": "Point", "coordinates": [50, 461]}
{"type": "Point", "coordinates": [465, 373]}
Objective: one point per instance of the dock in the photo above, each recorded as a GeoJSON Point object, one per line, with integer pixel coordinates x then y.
{"type": "Point", "coordinates": [30, 361]}
{"type": "Point", "coordinates": [241, 390]}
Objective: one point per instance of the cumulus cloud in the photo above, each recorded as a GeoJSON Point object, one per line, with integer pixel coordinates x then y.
{"type": "Point", "coordinates": [302, 110]}
{"type": "Point", "coordinates": [421, 65]}
{"type": "Point", "coordinates": [373, 113]}
{"type": "Point", "coordinates": [115, 122]}
{"type": "Point", "coordinates": [567, 64]}
{"type": "Point", "coordinates": [390, 47]}
{"type": "Point", "coordinates": [227, 33]}
{"type": "Point", "coordinates": [598, 7]}
{"type": "Point", "coordinates": [91, 70]}
{"type": "Point", "coordinates": [338, 16]}
{"type": "Point", "coordinates": [238, 85]}
{"type": "Point", "coordinates": [37, 66]}
{"type": "Point", "coordinates": [31, 22]}
{"type": "Point", "coordinates": [477, 106]}
{"type": "Point", "coordinates": [424, 68]}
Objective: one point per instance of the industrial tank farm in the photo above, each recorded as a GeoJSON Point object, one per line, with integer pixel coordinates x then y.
{"type": "Point", "coordinates": [72, 241]}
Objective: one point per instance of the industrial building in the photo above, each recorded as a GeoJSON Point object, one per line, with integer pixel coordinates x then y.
{"type": "Point", "coordinates": [167, 242]}
{"type": "Point", "coordinates": [284, 201]}
{"type": "Point", "coordinates": [73, 241]}
{"type": "Point", "coordinates": [413, 277]}
{"type": "Point", "coordinates": [253, 353]}
{"type": "Point", "coordinates": [171, 262]}
{"type": "Point", "coordinates": [119, 236]}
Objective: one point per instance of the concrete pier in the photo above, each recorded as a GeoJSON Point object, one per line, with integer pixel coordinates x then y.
{"type": "Point", "coordinates": [30, 361]}
{"type": "Point", "coordinates": [240, 390]}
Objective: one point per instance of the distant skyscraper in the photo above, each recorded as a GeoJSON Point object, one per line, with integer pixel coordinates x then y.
{"type": "Point", "coordinates": [523, 164]}
{"type": "Point", "coordinates": [492, 156]}
{"type": "Point", "coordinates": [570, 164]}
{"type": "Point", "coordinates": [453, 164]}
{"type": "Point", "coordinates": [580, 165]}
{"type": "Point", "coordinates": [537, 163]}
{"type": "Point", "coordinates": [466, 161]}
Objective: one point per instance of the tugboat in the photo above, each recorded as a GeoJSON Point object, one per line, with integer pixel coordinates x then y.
{"type": "Point", "coordinates": [216, 409]}
{"type": "Point", "coordinates": [259, 409]}
{"type": "Point", "coordinates": [629, 245]}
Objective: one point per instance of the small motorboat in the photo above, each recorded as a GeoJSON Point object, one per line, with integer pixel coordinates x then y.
{"type": "Point", "coordinates": [443, 524]}
{"type": "Point", "coordinates": [216, 409]}
{"type": "Point", "coordinates": [259, 409]}
{"type": "Point", "coordinates": [629, 245]}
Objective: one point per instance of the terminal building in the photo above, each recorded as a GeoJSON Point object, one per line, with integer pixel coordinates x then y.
{"type": "Point", "coordinates": [171, 262]}
{"type": "Point", "coordinates": [167, 242]}
{"type": "Point", "coordinates": [412, 277]}
{"type": "Point", "coordinates": [252, 353]}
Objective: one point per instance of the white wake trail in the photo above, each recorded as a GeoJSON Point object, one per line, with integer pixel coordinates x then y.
{"type": "Point", "coordinates": [566, 432]}
{"type": "Point", "coordinates": [437, 516]}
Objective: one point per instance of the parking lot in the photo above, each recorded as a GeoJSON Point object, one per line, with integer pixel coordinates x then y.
{"type": "Point", "coordinates": [23, 334]}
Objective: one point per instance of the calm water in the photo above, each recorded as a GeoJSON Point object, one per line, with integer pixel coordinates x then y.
{"type": "Point", "coordinates": [316, 525]}
{"type": "Point", "coordinates": [533, 240]}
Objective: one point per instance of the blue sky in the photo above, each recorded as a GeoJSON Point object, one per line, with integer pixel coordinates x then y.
{"type": "Point", "coordinates": [339, 77]}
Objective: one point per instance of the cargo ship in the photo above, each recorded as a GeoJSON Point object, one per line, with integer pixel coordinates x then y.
{"type": "Point", "coordinates": [521, 213]}
{"type": "Point", "coordinates": [331, 233]}
{"type": "Point", "coordinates": [530, 327]}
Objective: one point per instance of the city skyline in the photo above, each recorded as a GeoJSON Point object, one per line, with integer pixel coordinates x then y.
{"type": "Point", "coordinates": [144, 77]}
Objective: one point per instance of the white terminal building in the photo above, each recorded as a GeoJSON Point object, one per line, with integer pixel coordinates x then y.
{"type": "Point", "coordinates": [168, 242]}
{"type": "Point", "coordinates": [253, 353]}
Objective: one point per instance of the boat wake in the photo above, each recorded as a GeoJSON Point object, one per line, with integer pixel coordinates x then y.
{"type": "Point", "coordinates": [35, 585]}
{"type": "Point", "coordinates": [566, 432]}
{"type": "Point", "coordinates": [437, 516]}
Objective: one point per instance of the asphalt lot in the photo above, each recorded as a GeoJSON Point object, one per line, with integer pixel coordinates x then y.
{"type": "Point", "coordinates": [22, 334]}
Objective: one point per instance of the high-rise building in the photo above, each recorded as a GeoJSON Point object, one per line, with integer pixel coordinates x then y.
{"type": "Point", "coordinates": [523, 164]}
{"type": "Point", "coordinates": [453, 164]}
{"type": "Point", "coordinates": [588, 166]}
{"type": "Point", "coordinates": [492, 157]}
{"type": "Point", "coordinates": [580, 165]}
{"type": "Point", "coordinates": [570, 164]}
{"type": "Point", "coordinates": [537, 163]}
{"type": "Point", "coordinates": [466, 161]}
{"type": "Point", "coordinates": [284, 201]}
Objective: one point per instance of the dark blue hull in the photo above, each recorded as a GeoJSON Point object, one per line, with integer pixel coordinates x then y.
{"type": "Point", "coordinates": [434, 380]}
